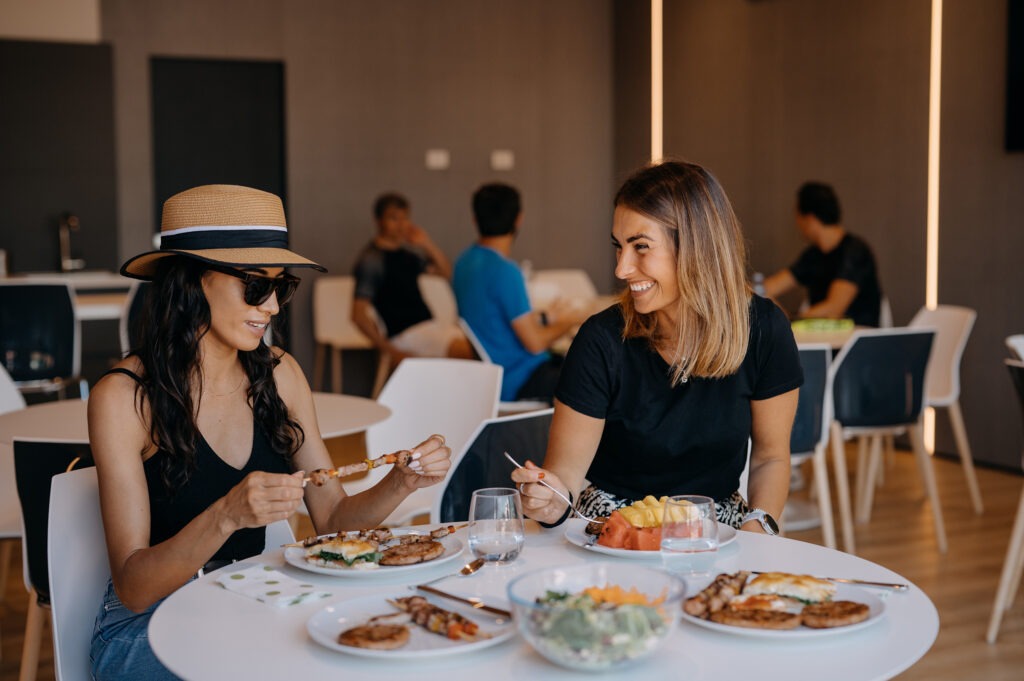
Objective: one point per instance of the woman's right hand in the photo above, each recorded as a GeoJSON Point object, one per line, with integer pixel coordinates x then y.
{"type": "Point", "coordinates": [261, 498]}
{"type": "Point", "coordinates": [539, 502]}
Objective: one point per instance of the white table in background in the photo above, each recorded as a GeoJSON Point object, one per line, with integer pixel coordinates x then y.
{"type": "Point", "coordinates": [203, 632]}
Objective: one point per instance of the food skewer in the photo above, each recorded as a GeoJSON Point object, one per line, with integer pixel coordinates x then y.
{"type": "Point", "coordinates": [322, 475]}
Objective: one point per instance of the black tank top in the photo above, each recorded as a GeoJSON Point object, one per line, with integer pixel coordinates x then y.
{"type": "Point", "coordinates": [211, 480]}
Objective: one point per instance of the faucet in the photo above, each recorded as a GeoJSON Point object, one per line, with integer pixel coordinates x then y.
{"type": "Point", "coordinates": [68, 224]}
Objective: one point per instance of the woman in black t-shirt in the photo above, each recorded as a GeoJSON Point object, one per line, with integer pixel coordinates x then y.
{"type": "Point", "coordinates": [661, 393]}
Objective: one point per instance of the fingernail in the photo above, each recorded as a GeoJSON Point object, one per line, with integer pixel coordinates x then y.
{"type": "Point", "coordinates": [418, 471]}
{"type": "Point", "coordinates": [415, 455]}
{"type": "Point", "coordinates": [415, 465]}
{"type": "Point", "coordinates": [540, 476]}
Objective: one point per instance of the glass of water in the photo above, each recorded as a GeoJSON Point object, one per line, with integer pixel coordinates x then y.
{"type": "Point", "coordinates": [689, 535]}
{"type": "Point", "coordinates": [496, 524]}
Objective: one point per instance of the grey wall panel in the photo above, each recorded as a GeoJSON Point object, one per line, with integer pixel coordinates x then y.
{"type": "Point", "coordinates": [981, 223]}
{"type": "Point", "coordinates": [371, 86]}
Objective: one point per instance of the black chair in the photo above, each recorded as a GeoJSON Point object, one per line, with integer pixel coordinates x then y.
{"type": "Point", "coordinates": [35, 464]}
{"type": "Point", "coordinates": [481, 464]}
{"type": "Point", "coordinates": [40, 336]}
{"type": "Point", "coordinates": [809, 439]}
{"type": "Point", "coordinates": [878, 390]}
{"type": "Point", "coordinates": [1013, 565]}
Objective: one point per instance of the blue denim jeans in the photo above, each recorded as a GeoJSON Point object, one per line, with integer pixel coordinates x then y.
{"type": "Point", "coordinates": [120, 643]}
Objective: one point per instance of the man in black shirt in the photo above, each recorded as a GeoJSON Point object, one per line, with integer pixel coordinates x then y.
{"type": "Point", "coordinates": [837, 269]}
{"type": "Point", "coordinates": [387, 288]}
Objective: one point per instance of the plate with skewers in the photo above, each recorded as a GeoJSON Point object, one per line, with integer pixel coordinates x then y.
{"type": "Point", "coordinates": [405, 627]}
{"type": "Point", "coordinates": [375, 553]}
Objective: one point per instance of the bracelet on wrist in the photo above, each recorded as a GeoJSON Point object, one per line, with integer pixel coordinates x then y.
{"type": "Point", "coordinates": [568, 510]}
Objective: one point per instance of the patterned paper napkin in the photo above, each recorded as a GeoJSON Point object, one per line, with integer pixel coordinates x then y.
{"type": "Point", "coordinates": [267, 585]}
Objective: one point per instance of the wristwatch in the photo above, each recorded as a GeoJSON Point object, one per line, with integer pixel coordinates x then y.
{"type": "Point", "coordinates": [763, 517]}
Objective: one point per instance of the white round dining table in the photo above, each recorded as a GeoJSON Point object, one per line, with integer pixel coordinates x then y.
{"type": "Point", "coordinates": [65, 421]}
{"type": "Point", "coordinates": [205, 632]}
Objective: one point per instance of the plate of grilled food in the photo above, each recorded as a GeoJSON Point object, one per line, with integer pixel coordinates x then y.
{"type": "Point", "coordinates": [378, 552]}
{"type": "Point", "coordinates": [782, 605]}
{"type": "Point", "coordinates": [405, 627]}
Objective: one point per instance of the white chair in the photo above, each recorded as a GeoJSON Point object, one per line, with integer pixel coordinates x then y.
{"type": "Point", "coordinates": [480, 463]}
{"type": "Point", "coordinates": [427, 396]}
{"type": "Point", "coordinates": [1013, 565]}
{"type": "Point", "coordinates": [570, 284]}
{"type": "Point", "coordinates": [810, 436]}
{"type": "Point", "coordinates": [952, 326]}
{"type": "Point", "coordinates": [878, 389]}
{"type": "Point", "coordinates": [76, 586]}
{"type": "Point", "coordinates": [11, 399]}
{"type": "Point", "coordinates": [1016, 345]}
{"type": "Point", "coordinates": [333, 328]}
{"type": "Point", "coordinates": [504, 406]}
{"type": "Point", "coordinates": [885, 313]}
{"type": "Point", "coordinates": [438, 295]}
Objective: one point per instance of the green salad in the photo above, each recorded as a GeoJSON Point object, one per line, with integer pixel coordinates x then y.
{"type": "Point", "coordinates": [580, 630]}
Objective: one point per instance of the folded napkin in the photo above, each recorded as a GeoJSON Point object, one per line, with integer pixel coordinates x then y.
{"type": "Point", "coordinates": [267, 585]}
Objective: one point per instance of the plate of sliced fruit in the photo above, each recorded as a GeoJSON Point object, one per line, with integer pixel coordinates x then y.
{"type": "Point", "coordinates": [630, 532]}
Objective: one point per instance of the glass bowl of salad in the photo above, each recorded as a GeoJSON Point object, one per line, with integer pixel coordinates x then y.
{"type": "Point", "coordinates": [596, 616]}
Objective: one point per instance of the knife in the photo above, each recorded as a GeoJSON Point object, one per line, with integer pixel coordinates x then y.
{"type": "Point", "coordinates": [473, 602]}
{"type": "Point", "coordinates": [883, 585]}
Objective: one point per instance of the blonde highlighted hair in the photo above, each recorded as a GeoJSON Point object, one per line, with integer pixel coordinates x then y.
{"type": "Point", "coordinates": [713, 318]}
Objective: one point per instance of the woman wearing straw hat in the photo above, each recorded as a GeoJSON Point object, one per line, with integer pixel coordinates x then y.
{"type": "Point", "coordinates": [201, 435]}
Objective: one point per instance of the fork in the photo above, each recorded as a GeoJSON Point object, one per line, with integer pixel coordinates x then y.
{"type": "Point", "coordinates": [558, 494]}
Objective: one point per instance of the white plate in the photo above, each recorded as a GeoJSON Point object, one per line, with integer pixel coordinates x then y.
{"type": "Point", "coordinates": [574, 534]}
{"type": "Point", "coordinates": [844, 592]}
{"type": "Point", "coordinates": [296, 556]}
{"type": "Point", "coordinates": [326, 625]}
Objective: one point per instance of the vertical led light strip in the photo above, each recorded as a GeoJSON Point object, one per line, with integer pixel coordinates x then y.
{"type": "Point", "coordinates": [657, 83]}
{"type": "Point", "coordinates": [931, 276]}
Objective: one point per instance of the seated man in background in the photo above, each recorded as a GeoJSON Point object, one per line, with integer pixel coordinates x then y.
{"type": "Point", "coordinates": [837, 269]}
{"type": "Point", "coordinates": [387, 273]}
{"type": "Point", "coordinates": [492, 298]}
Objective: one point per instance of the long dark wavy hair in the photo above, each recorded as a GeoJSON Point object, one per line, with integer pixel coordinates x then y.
{"type": "Point", "coordinates": [173, 320]}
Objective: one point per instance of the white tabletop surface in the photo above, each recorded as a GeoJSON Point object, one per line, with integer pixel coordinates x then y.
{"type": "Point", "coordinates": [206, 632]}
{"type": "Point", "coordinates": [65, 420]}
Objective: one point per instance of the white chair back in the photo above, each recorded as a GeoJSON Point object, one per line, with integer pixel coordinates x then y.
{"type": "Point", "coordinates": [332, 313]}
{"type": "Point", "coordinates": [478, 347]}
{"type": "Point", "coordinates": [426, 396]}
{"type": "Point", "coordinates": [76, 585]}
{"type": "Point", "coordinates": [1016, 345]}
{"type": "Point", "coordinates": [952, 326]}
{"type": "Point", "coordinates": [571, 284]}
{"type": "Point", "coordinates": [438, 295]}
{"type": "Point", "coordinates": [11, 399]}
{"type": "Point", "coordinates": [885, 313]}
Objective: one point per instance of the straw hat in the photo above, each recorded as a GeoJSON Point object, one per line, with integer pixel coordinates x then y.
{"type": "Point", "coordinates": [224, 224]}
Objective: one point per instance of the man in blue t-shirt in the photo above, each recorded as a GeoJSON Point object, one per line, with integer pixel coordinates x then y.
{"type": "Point", "coordinates": [838, 268]}
{"type": "Point", "coordinates": [492, 298]}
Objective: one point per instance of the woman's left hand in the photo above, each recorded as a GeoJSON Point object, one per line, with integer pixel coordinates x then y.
{"type": "Point", "coordinates": [429, 464]}
{"type": "Point", "coordinates": [753, 526]}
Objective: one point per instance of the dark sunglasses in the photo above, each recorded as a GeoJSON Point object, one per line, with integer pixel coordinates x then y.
{"type": "Point", "coordinates": [258, 288]}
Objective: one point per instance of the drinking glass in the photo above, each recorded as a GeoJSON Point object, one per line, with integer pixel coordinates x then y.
{"type": "Point", "coordinates": [496, 524]}
{"type": "Point", "coordinates": [689, 535]}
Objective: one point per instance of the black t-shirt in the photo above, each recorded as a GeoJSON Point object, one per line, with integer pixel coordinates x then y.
{"type": "Point", "coordinates": [664, 440]}
{"type": "Point", "coordinates": [852, 261]}
{"type": "Point", "coordinates": [390, 280]}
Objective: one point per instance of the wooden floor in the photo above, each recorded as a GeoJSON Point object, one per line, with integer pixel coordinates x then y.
{"type": "Point", "coordinates": [962, 583]}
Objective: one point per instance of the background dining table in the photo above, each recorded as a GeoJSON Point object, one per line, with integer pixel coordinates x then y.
{"type": "Point", "coordinates": [205, 632]}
